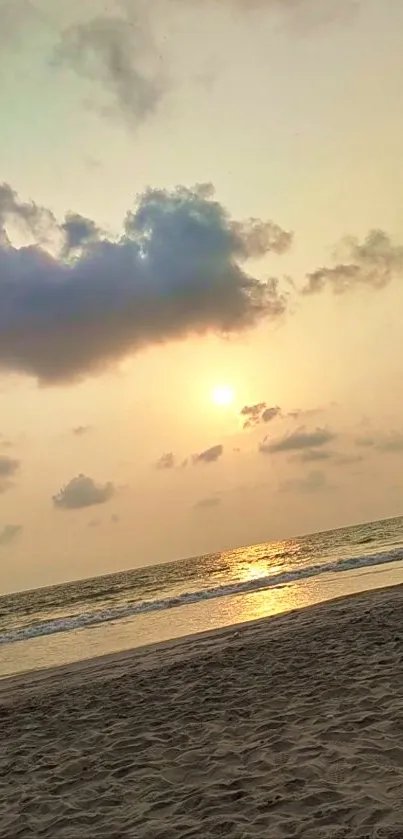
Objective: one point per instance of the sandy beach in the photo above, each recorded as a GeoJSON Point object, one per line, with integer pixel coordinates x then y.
{"type": "Point", "coordinates": [291, 726]}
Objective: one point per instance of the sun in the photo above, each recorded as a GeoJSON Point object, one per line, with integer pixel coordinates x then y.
{"type": "Point", "coordinates": [223, 395]}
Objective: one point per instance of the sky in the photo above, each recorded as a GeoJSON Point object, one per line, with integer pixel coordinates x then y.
{"type": "Point", "coordinates": [201, 255]}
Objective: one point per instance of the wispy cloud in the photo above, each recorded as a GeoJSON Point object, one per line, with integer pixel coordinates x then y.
{"type": "Point", "coordinates": [299, 439]}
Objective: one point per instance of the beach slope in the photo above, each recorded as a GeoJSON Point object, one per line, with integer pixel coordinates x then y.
{"type": "Point", "coordinates": [287, 727]}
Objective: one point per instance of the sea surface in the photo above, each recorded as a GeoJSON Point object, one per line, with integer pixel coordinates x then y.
{"type": "Point", "coordinates": [79, 620]}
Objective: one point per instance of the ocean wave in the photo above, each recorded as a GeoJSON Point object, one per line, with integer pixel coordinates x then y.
{"type": "Point", "coordinates": [91, 619]}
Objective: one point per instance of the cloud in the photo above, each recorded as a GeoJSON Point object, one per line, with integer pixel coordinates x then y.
{"type": "Point", "coordinates": [25, 214]}
{"type": "Point", "coordinates": [175, 271]}
{"type": "Point", "coordinates": [348, 459]}
{"type": "Point", "coordinates": [115, 519]}
{"type": "Point", "coordinates": [374, 263]}
{"type": "Point", "coordinates": [299, 439]}
{"type": "Point", "coordinates": [80, 430]}
{"type": "Point", "coordinates": [259, 413]}
{"type": "Point", "coordinates": [311, 455]}
{"type": "Point", "coordinates": [117, 53]}
{"type": "Point", "coordinates": [208, 503]}
{"type": "Point", "coordinates": [78, 232]}
{"type": "Point", "coordinates": [392, 442]}
{"type": "Point", "coordinates": [209, 455]}
{"type": "Point", "coordinates": [313, 482]}
{"type": "Point", "coordinates": [8, 468]}
{"type": "Point", "coordinates": [9, 533]}
{"type": "Point", "coordinates": [83, 492]}
{"type": "Point", "coordinates": [166, 461]}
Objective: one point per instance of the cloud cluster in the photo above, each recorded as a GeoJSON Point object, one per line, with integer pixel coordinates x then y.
{"type": "Point", "coordinates": [299, 439]}
{"type": "Point", "coordinates": [371, 264]}
{"type": "Point", "coordinates": [258, 413]}
{"type": "Point", "coordinates": [83, 492]}
{"type": "Point", "coordinates": [177, 269]}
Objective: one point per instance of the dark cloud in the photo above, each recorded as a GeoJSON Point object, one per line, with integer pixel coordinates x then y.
{"type": "Point", "coordinates": [299, 439]}
{"type": "Point", "coordinates": [313, 482]}
{"type": "Point", "coordinates": [371, 264]}
{"type": "Point", "coordinates": [26, 214]}
{"type": "Point", "coordinates": [78, 232]}
{"type": "Point", "coordinates": [176, 270]}
{"type": "Point", "coordinates": [83, 492]}
{"type": "Point", "coordinates": [117, 53]}
{"type": "Point", "coordinates": [80, 430]}
{"type": "Point", "coordinates": [9, 533]}
{"type": "Point", "coordinates": [259, 413]}
{"type": "Point", "coordinates": [209, 455]}
{"type": "Point", "coordinates": [166, 461]}
{"type": "Point", "coordinates": [208, 503]}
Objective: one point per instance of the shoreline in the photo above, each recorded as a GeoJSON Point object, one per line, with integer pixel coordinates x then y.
{"type": "Point", "coordinates": [150, 656]}
{"type": "Point", "coordinates": [289, 726]}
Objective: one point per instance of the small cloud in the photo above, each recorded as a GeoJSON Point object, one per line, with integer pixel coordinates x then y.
{"type": "Point", "coordinates": [8, 468]}
{"type": "Point", "coordinates": [271, 413]}
{"type": "Point", "coordinates": [299, 439]}
{"type": "Point", "coordinates": [166, 461]}
{"type": "Point", "coordinates": [208, 503]}
{"type": "Point", "coordinates": [115, 519]}
{"type": "Point", "coordinates": [9, 533]}
{"type": "Point", "coordinates": [348, 459]}
{"type": "Point", "coordinates": [311, 455]}
{"type": "Point", "coordinates": [373, 264]}
{"type": "Point", "coordinates": [364, 442]}
{"type": "Point", "coordinates": [94, 523]}
{"type": "Point", "coordinates": [313, 482]}
{"type": "Point", "coordinates": [393, 443]}
{"type": "Point", "coordinates": [80, 430]}
{"type": "Point", "coordinates": [209, 455]}
{"type": "Point", "coordinates": [83, 492]}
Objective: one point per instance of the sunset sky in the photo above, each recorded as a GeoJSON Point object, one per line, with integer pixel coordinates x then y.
{"type": "Point", "coordinates": [201, 254]}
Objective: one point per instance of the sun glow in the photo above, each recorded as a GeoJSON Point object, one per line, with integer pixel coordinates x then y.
{"type": "Point", "coordinates": [223, 395]}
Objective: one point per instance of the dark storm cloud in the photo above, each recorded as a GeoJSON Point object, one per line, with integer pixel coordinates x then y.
{"type": "Point", "coordinates": [209, 455]}
{"type": "Point", "coordinates": [116, 52]}
{"type": "Point", "coordinates": [83, 492]}
{"type": "Point", "coordinates": [299, 439]}
{"type": "Point", "coordinates": [371, 264]}
{"type": "Point", "coordinates": [175, 271]}
{"type": "Point", "coordinates": [166, 461]}
{"type": "Point", "coordinates": [314, 482]}
{"type": "Point", "coordinates": [9, 533]}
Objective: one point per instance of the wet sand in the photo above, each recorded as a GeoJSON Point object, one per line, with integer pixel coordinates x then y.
{"type": "Point", "coordinates": [289, 726]}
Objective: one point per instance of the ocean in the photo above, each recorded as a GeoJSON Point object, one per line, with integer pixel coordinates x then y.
{"type": "Point", "coordinates": [78, 620]}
